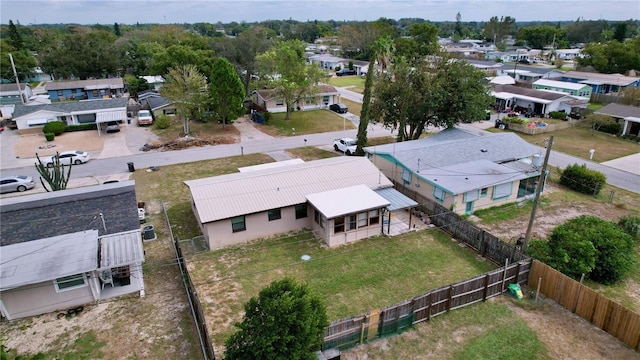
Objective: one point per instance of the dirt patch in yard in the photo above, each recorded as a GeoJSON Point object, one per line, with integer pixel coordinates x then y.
{"type": "Point", "coordinates": [27, 146]}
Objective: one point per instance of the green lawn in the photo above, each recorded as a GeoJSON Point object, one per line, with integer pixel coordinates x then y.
{"type": "Point", "coordinates": [577, 141]}
{"type": "Point", "coordinates": [306, 122]}
{"type": "Point", "coordinates": [486, 330]}
{"type": "Point", "coordinates": [354, 107]}
{"type": "Point", "coordinates": [352, 279]}
{"type": "Point", "coordinates": [355, 83]}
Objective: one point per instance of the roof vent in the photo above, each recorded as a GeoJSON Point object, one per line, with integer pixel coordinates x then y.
{"type": "Point", "coordinates": [483, 150]}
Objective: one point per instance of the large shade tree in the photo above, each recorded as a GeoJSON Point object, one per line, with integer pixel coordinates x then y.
{"type": "Point", "coordinates": [288, 73]}
{"type": "Point", "coordinates": [226, 92]}
{"type": "Point", "coordinates": [441, 93]}
{"type": "Point", "coordinates": [285, 321]}
{"type": "Point", "coordinates": [186, 87]}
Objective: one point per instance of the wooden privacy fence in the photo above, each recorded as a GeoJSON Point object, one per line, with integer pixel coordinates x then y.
{"type": "Point", "coordinates": [194, 301]}
{"type": "Point", "coordinates": [609, 316]}
{"type": "Point", "coordinates": [609, 99]}
{"type": "Point", "coordinates": [525, 129]}
{"type": "Point", "coordinates": [393, 319]}
{"type": "Point", "coordinates": [483, 242]}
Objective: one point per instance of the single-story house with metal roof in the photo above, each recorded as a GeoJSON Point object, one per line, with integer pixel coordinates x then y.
{"type": "Point", "coordinates": [536, 101]}
{"type": "Point", "coordinates": [31, 119]}
{"type": "Point", "coordinates": [270, 100]}
{"type": "Point", "coordinates": [579, 91]}
{"type": "Point", "coordinates": [80, 246]}
{"type": "Point", "coordinates": [85, 89]}
{"type": "Point", "coordinates": [461, 170]}
{"type": "Point", "coordinates": [341, 199]}
{"type": "Point", "coordinates": [157, 103]}
{"type": "Point", "coordinates": [602, 83]}
{"type": "Point", "coordinates": [629, 115]}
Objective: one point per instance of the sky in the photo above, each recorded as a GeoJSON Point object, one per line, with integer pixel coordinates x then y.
{"type": "Point", "coordinates": [89, 12]}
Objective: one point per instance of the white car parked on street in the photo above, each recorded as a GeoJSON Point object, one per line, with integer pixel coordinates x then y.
{"type": "Point", "coordinates": [74, 157]}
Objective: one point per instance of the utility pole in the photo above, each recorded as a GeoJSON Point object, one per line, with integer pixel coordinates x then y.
{"type": "Point", "coordinates": [15, 73]}
{"type": "Point", "coordinates": [536, 199]}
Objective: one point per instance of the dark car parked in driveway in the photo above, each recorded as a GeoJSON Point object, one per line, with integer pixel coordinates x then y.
{"type": "Point", "coordinates": [339, 108]}
{"type": "Point", "coordinates": [343, 72]}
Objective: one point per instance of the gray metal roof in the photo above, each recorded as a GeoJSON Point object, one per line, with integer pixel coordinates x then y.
{"type": "Point", "coordinates": [454, 146]}
{"type": "Point", "coordinates": [121, 249]}
{"type": "Point", "coordinates": [396, 199]}
{"type": "Point", "coordinates": [49, 258]}
{"type": "Point", "coordinates": [32, 217]}
{"type": "Point", "coordinates": [112, 83]}
{"type": "Point", "coordinates": [72, 107]}
{"type": "Point", "coordinates": [611, 79]}
{"type": "Point", "coordinates": [226, 196]}
{"type": "Point", "coordinates": [532, 93]}
{"type": "Point", "coordinates": [349, 200]}
{"type": "Point", "coordinates": [462, 177]}
{"type": "Point", "coordinates": [619, 110]}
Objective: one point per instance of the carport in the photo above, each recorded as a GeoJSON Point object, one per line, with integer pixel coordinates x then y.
{"type": "Point", "coordinates": [397, 201]}
{"type": "Point", "coordinates": [108, 116]}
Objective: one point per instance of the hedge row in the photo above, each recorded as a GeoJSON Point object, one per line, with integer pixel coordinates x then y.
{"type": "Point", "coordinates": [582, 179]}
{"type": "Point", "coordinates": [81, 127]}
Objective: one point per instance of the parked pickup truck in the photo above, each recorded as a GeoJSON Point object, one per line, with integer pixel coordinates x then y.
{"type": "Point", "coordinates": [144, 118]}
{"type": "Point", "coordinates": [346, 145]}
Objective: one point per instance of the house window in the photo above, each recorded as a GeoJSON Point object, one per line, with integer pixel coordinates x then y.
{"type": "Point", "coordinates": [316, 216]}
{"type": "Point", "coordinates": [325, 100]}
{"type": "Point", "coordinates": [70, 282]}
{"type": "Point", "coordinates": [438, 194]}
{"type": "Point", "coordinates": [238, 224]}
{"type": "Point", "coordinates": [301, 211]}
{"type": "Point", "coordinates": [374, 217]}
{"type": "Point", "coordinates": [471, 196]}
{"type": "Point", "coordinates": [362, 220]}
{"type": "Point", "coordinates": [406, 177]}
{"type": "Point", "coordinates": [323, 221]}
{"type": "Point", "coordinates": [59, 93]}
{"type": "Point", "coordinates": [95, 93]}
{"type": "Point", "coordinates": [483, 192]}
{"type": "Point", "coordinates": [501, 191]}
{"type": "Point", "coordinates": [274, 214]}
{"type": "Point", "coordinates": [279, 102]}
{"type": "Point", "coordinates": [352, 222]}
{"type": "Point", "coordinates": [309, 100]}
{"type": "Point", "coordinates": [338, 225]}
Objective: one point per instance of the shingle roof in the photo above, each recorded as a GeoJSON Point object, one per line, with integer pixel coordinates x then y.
{"type": "Point", "coordinates": [11, 87]}
{"type": "Point", "coordinates": [71, 106]}
{"type": "Point", "coordinates": [112, 83]}
{"type": "Point", "coordinates": [619, 110]}
{"type": "Point", "coordinates": [539, 94]}
{"type": "Point", "coordinates": [38, 216]}
{"type": "Point", "coordinates": [226, 196]}
{"type": "Point", "coordinates": [612, 79]}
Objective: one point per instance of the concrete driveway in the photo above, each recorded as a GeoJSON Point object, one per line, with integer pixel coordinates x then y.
{"type": "Point", "coordinates": [629, 163]}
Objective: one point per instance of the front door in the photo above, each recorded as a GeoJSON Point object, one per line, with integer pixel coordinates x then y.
{"type": "Point", "coordinates": [468, 208]}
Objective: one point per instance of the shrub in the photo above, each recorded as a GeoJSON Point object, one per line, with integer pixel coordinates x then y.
{"type": "Point", "coordinates": [56, 127]}
{"type": "Point", "coordinates": [561, 115]}
{"type": "Point", "coordinates": [539, 250]}
{"type": "Point", "coordinates": [591, 246]}
{"type": "Point", "coordinates": [582, 179]}
{"type": "Point", "coordinates": [162, 122]}
{"type": "Point", "coordinates": [513, 120]}
{"type": "Point", "coordinates": [609, 127]}
{"type": "Point", "coordinates": [81, 127]}
{"type": "Point", "coordinates": [267, 116]}
{"type": "Point", "coordinates": [49, 136]}
{"type": "Point", "coordinates": [631, 225]}
{"type": "Point", "coordinates": [337, 68]}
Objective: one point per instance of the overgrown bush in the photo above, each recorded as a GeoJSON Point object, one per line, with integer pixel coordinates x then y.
{"type": "Point", "coordinates": [582, 179]}
{"type": "Point", "coordinates": [266, 116]}
{"type": "Point", "coordinates": [591, 246]}
{"type": "Point", "coordinates": [162, 122]}
{"type": "Point", "coordinates": [49, 136]}
{"type": "Point", "coordinates": [56, 127]}
{"type": "Point", "coordinates": [609, 127]}
{"type": "Point", "coordinates": [81, 127]}
{"type": "Point", "coordinates": [631, 225]}
{"type": "Point", "coordinates": [560, 115]}
{"type": "Point", "coordinates": [513, 120]}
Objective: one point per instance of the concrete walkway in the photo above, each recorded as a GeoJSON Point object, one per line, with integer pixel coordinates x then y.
{"type": "Point", "coordinates": [629, 163]}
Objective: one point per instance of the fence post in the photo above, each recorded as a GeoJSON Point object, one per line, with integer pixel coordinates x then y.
{"type": "Point", "coordinates": [483, 247]}
{"type": "Point", "coordinates": [429, 307]}
{"type": "Point", "coordinates": [517, 273]}
{"type": "Point", "coordinates": [504, 274]}
{"type": "Point", "coordinates": [538, 290]}
{"type": "Point", "coordinates": [613, 193]}
{"type": "Point", "coordinates": [575, 306]}
{"type": "Point", "coordinates": [486, 287]}
{"type": "Point", "coordinates": [450, 297]}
